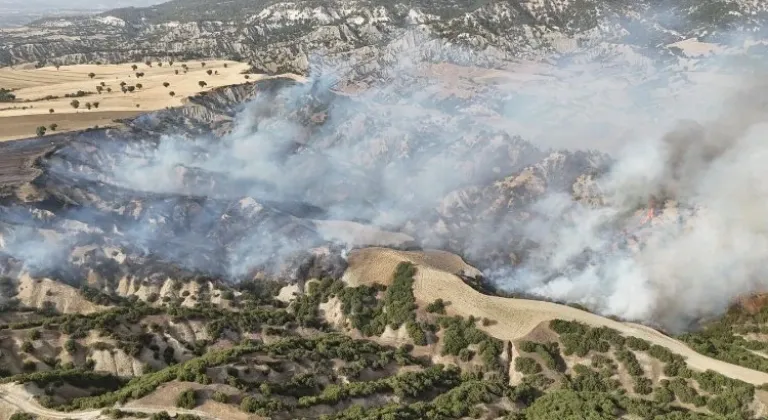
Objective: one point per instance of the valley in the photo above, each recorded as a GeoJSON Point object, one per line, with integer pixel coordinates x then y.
{"type": "Point", "coordinates": [340, 210]}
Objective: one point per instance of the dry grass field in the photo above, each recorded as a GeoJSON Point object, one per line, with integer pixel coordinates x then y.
{"type": "Point", "coordinates": [38, 91]}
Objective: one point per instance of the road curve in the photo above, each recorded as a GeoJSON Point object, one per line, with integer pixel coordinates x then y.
{"type": "Point", "coordinates": [17, 396]}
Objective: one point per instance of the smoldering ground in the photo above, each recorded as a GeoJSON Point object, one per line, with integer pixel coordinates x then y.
{"type": "Point", "coordinates": [434, 153]}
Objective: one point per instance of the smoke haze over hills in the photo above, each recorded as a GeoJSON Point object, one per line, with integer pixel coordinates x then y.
{"type": "Point", "coordinates": [538, 178]}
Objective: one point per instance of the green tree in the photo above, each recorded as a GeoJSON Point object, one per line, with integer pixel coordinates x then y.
{"type": "Point", "coordinates": [40, 131]}
{"type": "Point", "coordinates": [91, 75]}
{"type": "Point", "coordinates": [70, 346]}
{"type": "Point", "coordinates": [75, 104]}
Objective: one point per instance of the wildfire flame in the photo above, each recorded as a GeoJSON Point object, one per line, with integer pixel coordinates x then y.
{"type": "Point", "coordinates": [651, 212]}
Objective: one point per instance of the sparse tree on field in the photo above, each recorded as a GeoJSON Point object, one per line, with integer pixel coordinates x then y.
{"type": "Point", "coordinates": [50, 111]}
{"type": "Point", "coordinates": [159, 64]}
{"type": "Point", "coordinates": [57, 66]}
{"type": "Point", "coordinates": [131, 88]}
{"type": "Point", "coordinates": [202, 64]}
{"type": "Point", "coordinates": [226, 65]}
{"type": "Point", "coordinates": [139, 86]}
{"type": "Point", "coordinates": [216, 72]}
{"type": "Point", "coordinates": [166, 84]}
{"type": "Point", "coordinates": [172, 93]}
{"type": "Point", "coordinates": [75, 104]}
{"type": "Point", "coordinates": [210, 72]}
{"type": "Point", "coordinates": [247, 76]}
{"type": "Point", "coordinates": [137, 105]}
{"type": "Point", "coordinates": [53, 126]}
{"type": "Point", "coordinates": [40, 131]}
{"type": "Point", "coordinates": [124, 89]}
{"type": "Point", "coordinates": [91, 75]}
{"type": "Point", "coordinates": [109, 89]}
{"type": "Point", "coordinates": [134, 67]}
{"type": "Point", "coordinates": [148, 63]}
{"type": "Point", "coordinates": [123, 83]}
{"type": "Point", "coordinates": [170, 63]}
{"type": "Point", "coordinates": [103, 84]}
{"type": "Point", "coordinates": [99, 89]}
{"type": "Point", "coordinates": [176, 71]}
{"type": "Point", "coordinates": [88, 105]}
{"type": "Point", "coordinates": [96, 105]}
{"type": "Point", "coordinates": [202, 84]}
{"type": "Point", "coordinates": [184, 66]}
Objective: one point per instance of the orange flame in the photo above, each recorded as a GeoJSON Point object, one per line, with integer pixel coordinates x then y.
{"type": "Point", "coordinates": [651, 212]}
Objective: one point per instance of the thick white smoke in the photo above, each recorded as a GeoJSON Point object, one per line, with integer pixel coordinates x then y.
{"type": "Point", "coordinates": [390, 154]}
{"type": "Point", "coordinates": [706, 244]}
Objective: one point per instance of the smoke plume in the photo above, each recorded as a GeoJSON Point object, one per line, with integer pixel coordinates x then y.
{"type": "Point", "coordinates": [578, 182]}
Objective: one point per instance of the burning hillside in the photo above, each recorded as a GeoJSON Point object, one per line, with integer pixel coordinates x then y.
{"type": "Point", "coordinates": [242, 183]}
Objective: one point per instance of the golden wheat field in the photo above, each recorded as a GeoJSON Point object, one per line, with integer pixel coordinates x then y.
{"type": "Point", "coordinates": [42, 94]}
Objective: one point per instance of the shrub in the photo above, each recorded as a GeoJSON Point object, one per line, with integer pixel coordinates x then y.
{"type": "Point", "coordinates": [637, 344]}
{"type": "Point", "coordinates": [416, 333]}
{"type": "Point", "coordinates": [629, 360]}
{"type": "Point", "coordinates": [436, 307]}
{"type": "Point", "coordinates": [643, 386]}
{"type": "Point", "coordinates": [527, 365]}
{"type": "Point", "coordinates": [186, 399]}
{"type": "Point", "coordinates": [221, 397]}
{"type": "Point", "coordinates": [663, 395]}
{"type": "Point", "coordinates": [568, 404]}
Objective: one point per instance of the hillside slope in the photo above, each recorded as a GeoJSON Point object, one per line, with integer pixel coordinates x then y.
{"type": "Point", "coordinates": [438, 278]}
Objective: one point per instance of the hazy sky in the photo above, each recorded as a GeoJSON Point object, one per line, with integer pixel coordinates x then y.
{"type": "Point", "coordinates": [20, 12]}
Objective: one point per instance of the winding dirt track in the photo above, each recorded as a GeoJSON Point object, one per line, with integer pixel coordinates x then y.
{"type": "Point", "coordinates": [436, 278]}
{"type": "Point", "coordinates": [17, 396]}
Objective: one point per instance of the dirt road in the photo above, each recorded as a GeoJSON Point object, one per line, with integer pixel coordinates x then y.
{"type": "Point", "coordinates": [15, 395]}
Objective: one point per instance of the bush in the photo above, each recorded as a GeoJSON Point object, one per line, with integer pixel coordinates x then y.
{"type": "Point", "coordinates": [416, 333]}
{"type": "Point", "coordinates": [436, 307]}
{"type": "Point", "coordinates": [663, 395]}
{"type": "Point", "coordinates": [573, 405]}
{"type": "Point", "coordinates": [527, 365]}
{"type": "Point", "coordinates": [186, 399]}
{"type": "Point", "coordinates": [221, 397]}
{"type": "Point", "coordinates": [629, 360]}
{"type": "Point", "coordinates": [637, 344]}
{"type": "Point", "coordinates": [643, 386]}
